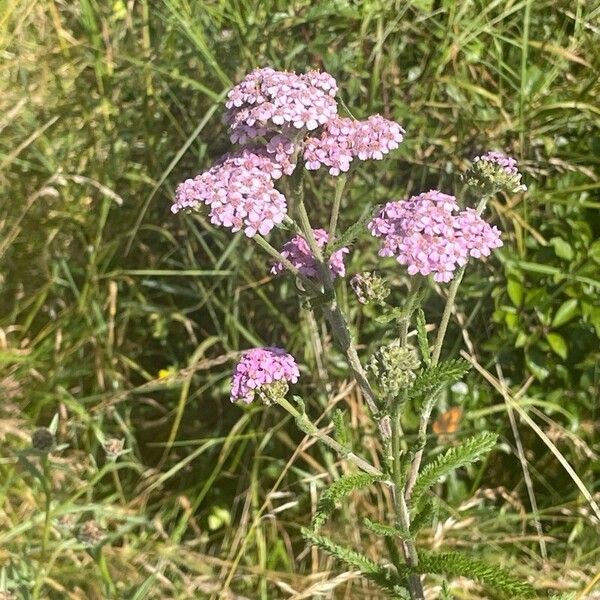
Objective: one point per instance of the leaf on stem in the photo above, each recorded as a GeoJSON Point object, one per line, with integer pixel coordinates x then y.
{"type": "Point", "coordinates": [336, 491]}
{"type": "Point", "coordinates": [467, 452]}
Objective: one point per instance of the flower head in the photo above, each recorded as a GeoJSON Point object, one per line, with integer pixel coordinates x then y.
{"type": "Point", "coordinates": [266, 371]}
{"type": "Point", "coordinates": [279, 101]}
{"type": "Point", "coordinates": [298, 252]}
{"type": "Point", "coordinates": [342, 140]}
{"type": "Point", "coordinates": [496, 170]}
{"type": "Point", "coordinates": [239, 192]}
{"type": "Point", "coordinates": [425, 234]}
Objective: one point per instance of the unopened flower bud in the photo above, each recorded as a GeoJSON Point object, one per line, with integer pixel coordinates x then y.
{"type": "Point", "coordinates": [370, 287]}
{"type": "Point", "coordinates": [42, 440]}
{"type": "Point", "coordinates": [393, 368]}
{"type": "Point", "coordinates": [496, 171]}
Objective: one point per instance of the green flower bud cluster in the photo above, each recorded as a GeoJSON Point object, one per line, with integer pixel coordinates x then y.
{"type": "Point", "coordinates": [370, 288]}
{"type": "Point", "coordinates": [394, 368]}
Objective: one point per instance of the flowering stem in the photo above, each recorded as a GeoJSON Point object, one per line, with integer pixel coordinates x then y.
{"type": "Point", "coordinates": [335, 211]}
{"type": "Point", "coordinates": [441, 334]}
{"type": "Point", "coordinates": [435, 359]}
{"type": "Point", "coordinates": [332, 312]}
{"type": "Point", "coordinates": [309, 428]}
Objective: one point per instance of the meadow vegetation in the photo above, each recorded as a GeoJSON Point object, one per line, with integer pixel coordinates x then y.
{"type": "Point", "coordinates": [125, 320]}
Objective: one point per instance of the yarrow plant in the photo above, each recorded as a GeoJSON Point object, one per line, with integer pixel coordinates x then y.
{"type": "Point", "coordinates": [287, 124]}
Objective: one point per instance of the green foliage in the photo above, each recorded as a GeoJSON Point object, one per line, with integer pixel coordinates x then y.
{"type": "Point", "coordinates": [430, 380]}
{"type": "Point", "coordinates": [355, 230]}
{"type": "Point", "coordinates": [466, 452]}
{"type": "Point", "coordinates": [106, 106]}
{"type": "Point", "coordinates": [382, 575]}
{"type": "Point", "coordinates": [422, 337]}
{"type": "Point", "coordinates": [338, 490]}
{"type": "Point", "coordinates": [455, 564]}
{"type": "Point", "coordinates": [385, 530]}
{"type": "Point", "coordinates": [340, 427]}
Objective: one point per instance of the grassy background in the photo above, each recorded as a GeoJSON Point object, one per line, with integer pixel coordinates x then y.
{"type": "Point", "coordinates": [124, 319]}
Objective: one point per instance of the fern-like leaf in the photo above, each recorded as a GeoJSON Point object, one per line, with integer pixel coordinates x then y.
{"type": "Point", "coordinates": [348, 236]}
{"type": "Point", "coordinates": [386, 530]}
{"type": "Point", "coordinates": [422, 337]}
{"type": "Point", "coordinates": [467, 452]}
{"type": "Point", "coordinates": [336, 491]}
{"type": "Point", "coordinates": [380, 574]}
{"type": "Point", "coordinates": [456, 564]}
{"type": "Point", "coordinates": [431, 379]}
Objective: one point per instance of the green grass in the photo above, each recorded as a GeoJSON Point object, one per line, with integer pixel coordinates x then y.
{"type": "Point", "coordinates": [124, 319]}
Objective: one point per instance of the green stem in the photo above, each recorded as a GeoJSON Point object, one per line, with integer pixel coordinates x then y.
{"type": "Point", "coordinates": [107, 579]}
{"type": "Point", "coordinates": [409, 549]}
{"type": "Point", "coordinates": [48, 500]}
{"type": "Point", "coordinates": [441, 334]}
{"type": "Point", "coordinates": [308, 427]}
{"type": "Point", "coordinates": [334, 315]}
{"type": "Point", "coordinates": [335, 211]}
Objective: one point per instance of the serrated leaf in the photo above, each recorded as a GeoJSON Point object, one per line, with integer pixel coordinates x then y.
{"type": "Point", "coordinates": [466, 452]}
{"type": "Point", "coordinates": [431, 379]}
{"type": "Point", "coordinates": [382, 575]}
{"type": "Point", "coordinates": [353, 231]}
{"type": "Point", "coordinates": [422, 338]}
{"type": "Point", "coordinates": [566, 311]}
{"type": "Point", "coordinates": [558, 344]}
{"type": "Point", "coordinates": [455, 564]}
{"type": "Point", "coordinates": [386, 530]}
{"type": "Point", "coordinates": [338, 490]}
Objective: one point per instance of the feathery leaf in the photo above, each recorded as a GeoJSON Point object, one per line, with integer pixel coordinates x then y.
{"type": "Point", "coordinates": [467, 452]}
{"type": "Point", "coordinates": [336, 491]}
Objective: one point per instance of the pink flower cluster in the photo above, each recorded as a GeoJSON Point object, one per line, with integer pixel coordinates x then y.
{"type": "Point", "coordinates": [343, 140]}
{"type": "Point", "coordinates": [298, 253]}
{"type": "Point", "coordinates": [239, 192]}
{"type": "Point", "coordinates": [507, 163]}
{"type": "Point", "coordinates": [267, 100]}
{"type": "Point", "coordinates": [261, 367]}
{"type": "Point", "coordinates": [425, 234]}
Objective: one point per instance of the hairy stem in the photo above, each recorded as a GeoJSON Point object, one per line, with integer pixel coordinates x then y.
{"type": "Point", "coordinates": [306, 425]}
{"type": "Point", "coordinates": [401, 508]}
{"type": "Point", "coordinates": [334, 315]}
{"type": "Point", "coordinates": [335, 211]}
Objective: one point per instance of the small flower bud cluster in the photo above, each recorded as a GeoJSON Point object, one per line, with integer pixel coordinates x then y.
{"type": "Point", "coordinates": [298, 252]}
{"type": "Point", "coordinates": [343, 140]}
{"type": "Point", "coordinates": [265, 371]}
{"type": "Point", "coordinates": [393, 368]}
{"type": "Point", "coordinates": [370, 288]}
{"type": "Point", "coordinates": [426, 235]}
{"type": "Point", "coordinates": [496, 171]}
{"type": "Point", "coordinates": [267, 100]}
{"type": "Point", "coordinates": [239, 192]}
